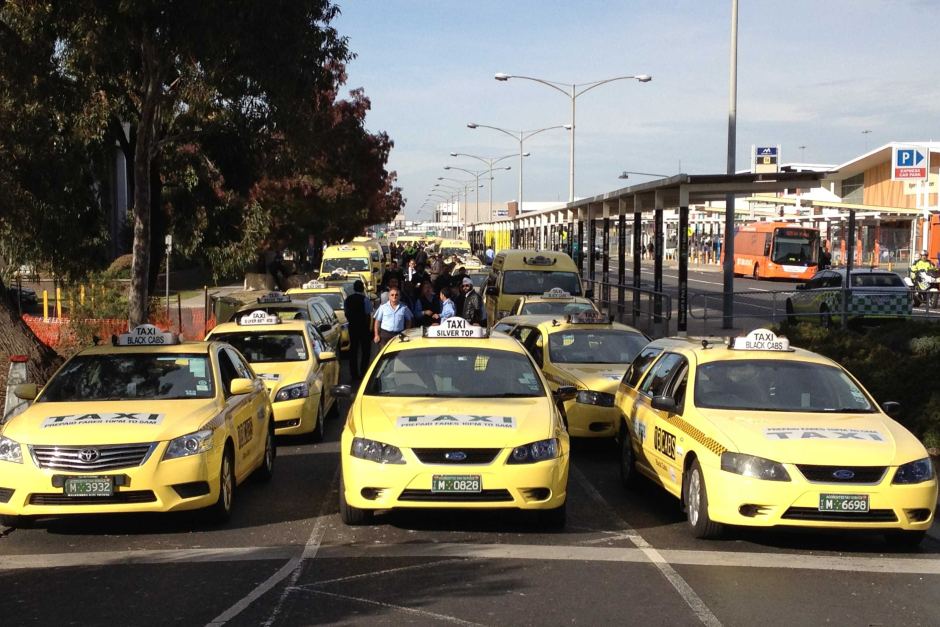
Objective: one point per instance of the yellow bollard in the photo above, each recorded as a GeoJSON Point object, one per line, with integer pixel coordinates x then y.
{"type": "Point", "coordinates": [58, 302]}
{"type": "Point", "coordinates": [81, 295]}
{"type": "Point", "coordinates": [45, 304]}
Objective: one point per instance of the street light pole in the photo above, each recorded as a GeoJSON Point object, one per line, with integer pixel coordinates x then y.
{"type": "Point", "coordinates": [728, 267]}
{"type": "Point", "coordinates": [477, 175]}
{"type": "Point", "coordinates": [572, 91]}
{"type": "Point", "coordinates": [520, 136]}
{"type": "Point", "coordinates": [489, 161]}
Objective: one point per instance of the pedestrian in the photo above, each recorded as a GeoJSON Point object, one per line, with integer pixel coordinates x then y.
{"type": "Point", "coordinates": [650, 249]}
{"type": "Point", "coordinates": [436, 266]}
{"type": "Point", "coordinates": [426, 305]}
{"type": "Point", "coordinates": [391, 318]}
{"type": "Point", "coordinates": [393, 284]}
{"type": "Point", "coordinates": [489, 254]}
{"type": "Point", "coordinates": [472, 303]}
{"type": "Point", "coordinates": [358, 310]}
{"type": "Point", "coordinates": [391, 272]}
{"type": "Point", "coordinates": [447, 306]}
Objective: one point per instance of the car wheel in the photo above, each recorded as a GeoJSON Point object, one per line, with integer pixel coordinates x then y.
{"type": "Point", "coordinates": [696, 504]}
{"type": "Point", "coordinates": [266, 470]}
{"type": "Point", "coordinates": [791, 316]}
{"type": "Point", "coordinates": [352, 516]}
{"type": "Point", "coordinates": [627, 458]}
{"type": "Point", "coordinates": [900, 539]}
{"type": "Point", "coordinates": [554, 518]}
{"type": "Point", "coordinates": [755, 273]}
{"type": "Point", "coordinates": [222, 510]}
{"type": "Point", "coordinates": [319, 429]}
{"type": "Point", "coordinates": [334, 409]}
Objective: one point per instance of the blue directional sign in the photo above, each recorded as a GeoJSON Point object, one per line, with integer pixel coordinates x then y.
{"type": "Point", "coordinates": [765, 158]}
{"type": "Point", "coordinates": [766, 151]}
{"type": "Point", "coordinates": [908, 163]}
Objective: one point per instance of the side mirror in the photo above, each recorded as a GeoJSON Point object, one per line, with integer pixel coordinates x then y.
{"type": "Point", "coordinates": [342, 391]}
{"type": "Point", "coordinates": [492, 291]}
{"type": "Point", "coordinates": [664, 403]}
{"type": "Point", "coordinates": [326, 356]}
{"type": "Point", "coordinates": [26, 391]}
{"type": "Point", "coordinates": [241, 386]}
{"type": "Point", "coordinates": [324, 328]}
{"type": "Point", "coordinates": [565, 393]}
{"type": "Point", "coordinates": [892, 408]}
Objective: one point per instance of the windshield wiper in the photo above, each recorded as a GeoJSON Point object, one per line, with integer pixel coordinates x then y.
{"type": "Point", "coordinates": [846, 410]}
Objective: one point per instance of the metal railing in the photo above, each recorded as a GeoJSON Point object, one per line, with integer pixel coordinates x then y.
{"type": "Point", "coordinates": [642, 308]}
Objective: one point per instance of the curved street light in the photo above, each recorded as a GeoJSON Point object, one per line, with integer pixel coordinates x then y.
{"type": "Point", "coordinates": [572, 91]}
{"type": "Point", "coordinates": [626, 174]}
{"type": "Point", "coordinates": [519, 136]}
{"type": "Point", "coordinates": [477, 175]}
{"type": "Point", "coordinates": [490, 162]}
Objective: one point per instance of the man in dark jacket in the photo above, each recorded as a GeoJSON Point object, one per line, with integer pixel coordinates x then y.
{"type": "Point", "coordinates": [472, 306]}
{"type": "Point", "coordinates": [358, 311]}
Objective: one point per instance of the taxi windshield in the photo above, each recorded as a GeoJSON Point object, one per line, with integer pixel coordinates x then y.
{"type": "Point", "coordinates": [333, 300]}
{"type": "Point", "coordinates": [131, 376]}
{"type": "Point", "coordinates": [260, 347]}
{"type": "Point", "coordinates": [555, 308]}
{"type": "Point", "coordinates": [772, 385]}
{"type": "Point", "coordinates": [539, 282]}
{"type": "Point", "coordinates": [595, 346]}
{"type": "Point", "coordinates": [450, 251]}
{"type": "Point", "coordinates": [455, 373]}
{"type": "Point", "coordinates": [349, 264]}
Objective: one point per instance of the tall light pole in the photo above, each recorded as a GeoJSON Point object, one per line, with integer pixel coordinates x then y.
{"type": "Point", "coordinates": [477, 175]}
{"type": "Point", "coordinates": [572, 91]}
{"type": "Point", "coordinates": [467, 184]}
{"type": "Point", "coordinates": [728, 249]}
{"type": "Point", "coordinates": [489, 161]}
{"type": "Point", "coordinates": [520, 136]}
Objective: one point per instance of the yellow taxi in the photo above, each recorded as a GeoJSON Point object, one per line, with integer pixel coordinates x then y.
{"type": "Point", "coordinates": [554, 302]}
{"type": "Point", "coordinates": [334, 296]}
{"type": "Point", "coordinates": [755, 432]}
{"type": "Point", "coordinates": [517, 273]}
{"type": "Point", "coordinates": [311, 308]}
{"type": "Point", "coordinates": [458, 252]}
{"type": "Point", "coordinates": [353, 261]}
{"type": "Point", "coordinates": [147, 424]}
{"type": "Point", "coordinates": [451, 417]}
{"type": "Point", "coordinates": [296, 363]}
{"type": "Point", "coordinates": [586, 351]}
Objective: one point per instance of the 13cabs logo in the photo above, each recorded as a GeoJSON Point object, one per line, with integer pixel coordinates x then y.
{"type": "Point", "coordinates": [245, 431]}
{"type": "Point", "coordinates": [665, 443]}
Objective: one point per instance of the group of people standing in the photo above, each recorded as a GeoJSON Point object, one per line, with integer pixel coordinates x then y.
{"type": "Point", "coordinates": [429, 290]}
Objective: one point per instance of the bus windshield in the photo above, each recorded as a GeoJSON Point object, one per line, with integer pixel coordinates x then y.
{"type": "Point", "coordinates": [795, 247]}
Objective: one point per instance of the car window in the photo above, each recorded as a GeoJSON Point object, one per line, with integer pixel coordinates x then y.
{"type": "Point", "coordinates": [521, 333]}
{"type": "Point", "coordinates": [633, 374]}
{"type": "Point", "coordinates": [660, 376]}
{"type": "Point", "coordinates": [242, 368]}
{"type": "Point", "coordinates": [540, 281]}
{"type": "Point", "coordinates": [267, 346]}
{"type": "Point", "coordinates": [533, 344]}
{"type": "Point", "coordinates": [678, 388]}
{"type": "Point", "coordinates": [557, 308]}
{"type": "Point", "coordinates": [833, 280]}
{"type": "Point", "coordinates": [227, 371]}
{"type": "Point", "coordinates": [595, 346]}
{"type": "Point", "coordinates": [877, 280]}
{"type": "Point", "coordinates": [503, 327]}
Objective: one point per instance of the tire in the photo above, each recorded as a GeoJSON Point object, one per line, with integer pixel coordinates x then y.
{"type": "Point", "coordinates": [222, 510]}
{"type": "Point", "coordinates": [319, 429]}
{"type": "Point", "coordinates": [791, 316]}
{"type": "Point", "coordinates": [17, 522]}
{"type": "Point", "coordinates": [352, 516]}
{"type": "Point", "coordinates": [908, 540]}
{"type": "Point", "coordinates": [695, 496]}
{"type": "Point", "coordinates": [755, 273]}
{"type": "Point", "coordinates": [627, 458]}
{"type": "Point", "coordinates": [334, 409]}
{"type": "Point", "coordinates": [265, 471]}
{"type": "Point", "coordinates": [554, 519]}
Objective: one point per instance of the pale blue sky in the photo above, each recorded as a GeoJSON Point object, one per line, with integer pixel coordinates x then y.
{"type": "Point", "coordinates": [810, 72]}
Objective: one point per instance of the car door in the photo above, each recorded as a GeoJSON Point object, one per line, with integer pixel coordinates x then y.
{"type": "Point", "coordinates": [258, 402]}
{"type": "Point", "coordinates": [325, 373]}
{"type": "Point", "coordinates": [239, 416]}
{"type": "Point", "coordinates": [802, 299]}
{"type": "Point", "coordinates": [659, 443]}
{"type": "Point", "coordinates": [626, 400]}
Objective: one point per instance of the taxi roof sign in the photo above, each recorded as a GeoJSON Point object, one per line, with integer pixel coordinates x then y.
{"type": "Point", "coordinates": [258, 317]}
{"type": "Point", "coordinates": [589, 317]}
{"type": "Point", "coordinates": [273, 297]}
{"type": "Point", "coordinates": [556, 292]}
{"type": "Point", "coordinates": [313, 285]}
{"type": "Point", "coordinates": [761, 340]}
{"type": "Point", "coordinates": [455, 328]}
{"type": "Point", "coordinates": [146, 335]}
{"type": "Point", "coordinates": [539, 260]}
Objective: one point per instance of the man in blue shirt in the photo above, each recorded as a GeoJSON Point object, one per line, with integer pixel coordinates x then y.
{"type": "Point", "coordinates": [447, 306]}
{"type": "Point", "coordinates": [391, 318]}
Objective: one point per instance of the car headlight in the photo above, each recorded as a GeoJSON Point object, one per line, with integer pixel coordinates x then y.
{"type": "Point", "coordinates": [292, 392]}
{"type": "Point", "coordinates": [189, 444]}
{"type": "Point", "coordinates": [535, 452]}
{"type": "Point", "coordinates": [589, 397]}
{"type": "Point", "coordinates": [378, 452]}
{"type": "Point", "coordinates": [911, 472]}
{"type": "Point", "coordinates": [10, 450]}
{"type": "Point", "coordinates": [756, 467]}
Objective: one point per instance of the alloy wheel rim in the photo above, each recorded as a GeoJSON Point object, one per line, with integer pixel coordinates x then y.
{"type": "Point", "coordinates": [626, 457]}
{"type": "Point", "coordinates": [269, 451]}
{"type": "Point", "coordinates": [695, 496]}
{"type": "Point", "coordinates": [227, 482]}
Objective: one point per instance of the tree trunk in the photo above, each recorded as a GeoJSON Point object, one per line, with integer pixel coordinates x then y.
{"type": "Point", "coordinates": [138, 302]}
{"type": "Point", "coordinates": [18, 339]}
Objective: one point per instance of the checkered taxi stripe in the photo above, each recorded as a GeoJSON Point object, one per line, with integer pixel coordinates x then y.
{"type": "Point", "coordinates": [696, 435]}
{"type": "Point", "coordinates": [872, 305]}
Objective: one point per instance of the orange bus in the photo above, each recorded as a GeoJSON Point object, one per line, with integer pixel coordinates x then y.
{"type": "Point", "coordinates": [776, 250]}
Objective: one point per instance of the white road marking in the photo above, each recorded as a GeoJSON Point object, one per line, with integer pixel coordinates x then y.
{"type": "Point", "coordinates": [407, 610]}
{"type": "Point", "coordinates": [160, 556]}
{"type": "Point", "coordinates": [387, 571]}
{"type": "Point", "coordinates": [291, 569]}
{"type": "Point", "coordinates": [693, 600]}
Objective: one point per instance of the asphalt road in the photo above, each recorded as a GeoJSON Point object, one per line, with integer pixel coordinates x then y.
{"type": "Point", "coordinates": [285, 558]}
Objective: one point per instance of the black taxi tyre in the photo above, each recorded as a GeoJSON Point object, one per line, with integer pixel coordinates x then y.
{"type": "Point", "coordinates": [627, 458]}
{"type": "Point", "coordinates": [352, 516]}
{"type": "Point", "coordinates": [696, 505]}
{"type": "Point", "coordinates": [221, 512]}
{"type": "Point", "coordinates": [319, 431]}
{"type": "Point", "coordinates": [265, 471]}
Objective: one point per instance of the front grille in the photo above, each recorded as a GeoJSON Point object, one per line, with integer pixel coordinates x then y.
{"type": "Point", "coordinates": [498, 496]}
{"type": "Point", "coordinates": [110, 456]}
{"type": "Point", "coordinates": [824, 474]}
{"type": "Point", "coordinates": [811, 513]}
{"type": "Point", "coordinates": [6, 494]}
{"type": "Point", "coordinates": [118, 498]}
{"type": "Point", "coordinates": [473, 455]}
